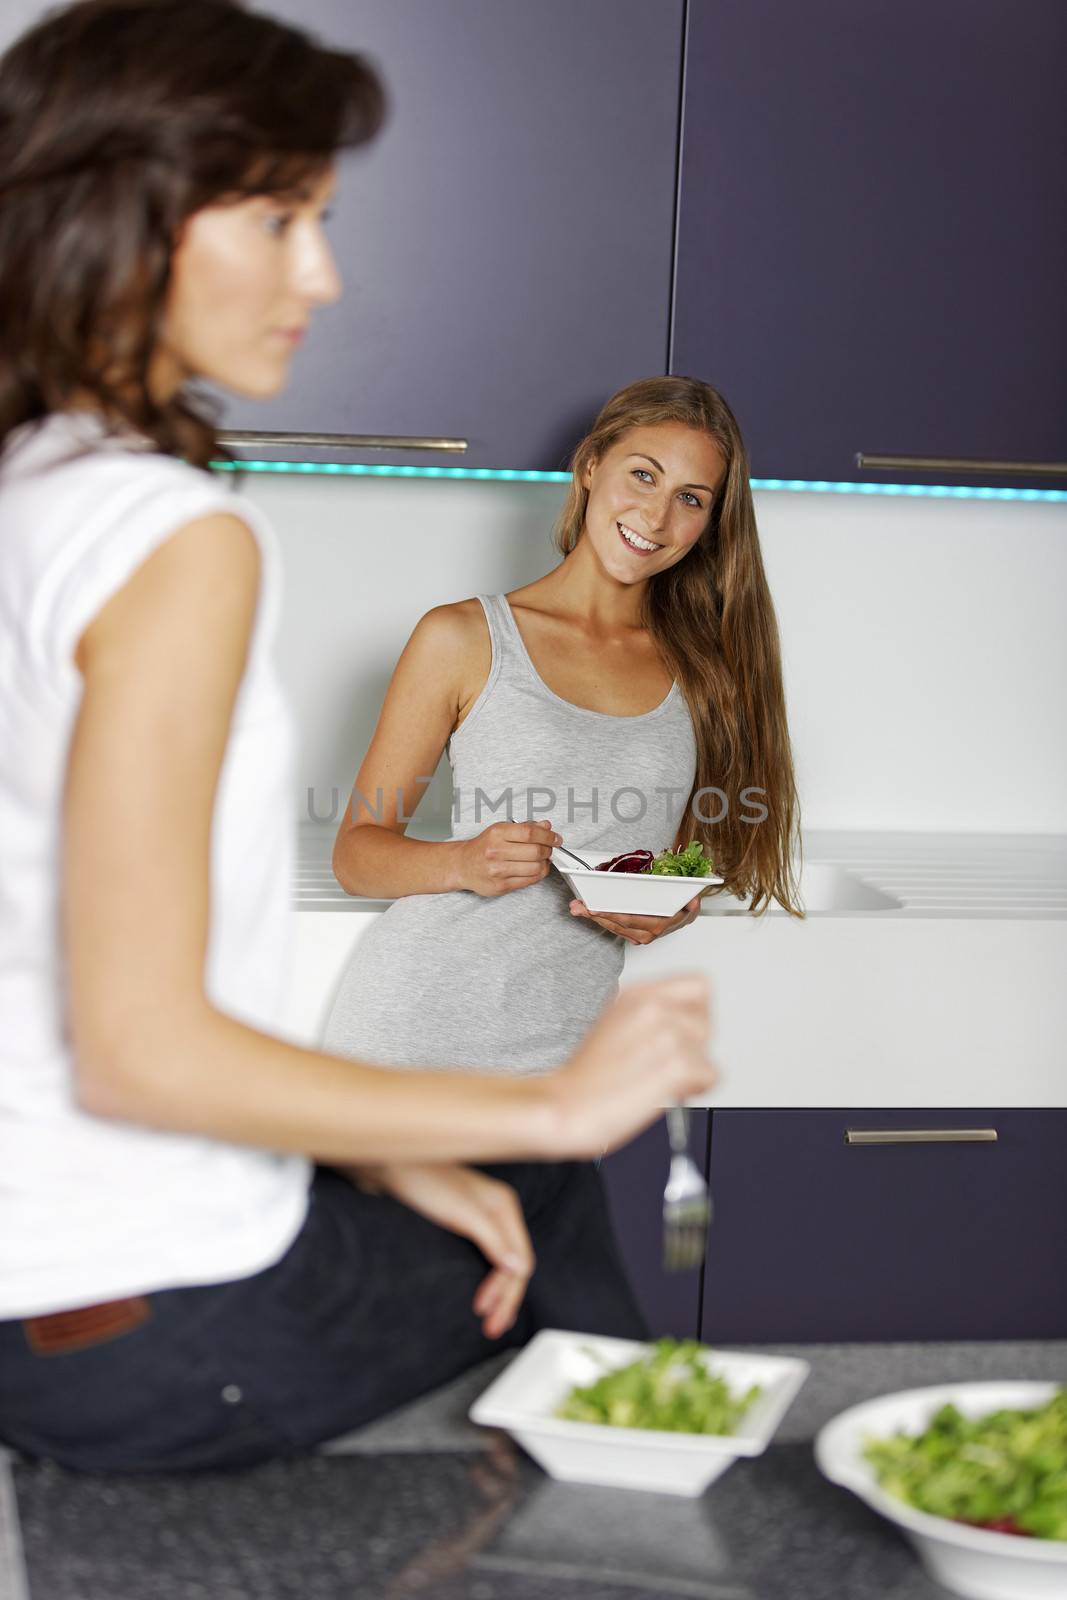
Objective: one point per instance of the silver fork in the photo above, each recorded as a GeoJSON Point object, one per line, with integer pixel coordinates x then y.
{"type": "Point", "coordinates": [561, 849]}
{"type": "Point", "coordinates": [573, 857]}
{"type": "Point", "coordinates": [686, 1201]}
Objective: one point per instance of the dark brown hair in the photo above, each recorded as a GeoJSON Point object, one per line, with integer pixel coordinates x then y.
{"type": "Point", "coordinates": [712, 619]}
{"type": "Point", "coordinates": [118, 120]}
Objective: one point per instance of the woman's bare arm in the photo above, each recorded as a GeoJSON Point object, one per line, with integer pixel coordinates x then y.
{"type": "Point", "coordinates": [162, 664]}
{"type": "Point", "coordinates": [371, 855]}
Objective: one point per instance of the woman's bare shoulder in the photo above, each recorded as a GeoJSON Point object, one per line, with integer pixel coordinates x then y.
{"type": "Point", "coordinates": [453, 630]}
{"type": "Point", "coordinates": [456, 637]}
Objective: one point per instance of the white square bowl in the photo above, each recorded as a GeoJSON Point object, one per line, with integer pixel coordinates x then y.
{"type": "Point", "coordinates": [639, 894]}
{"type": "Point", "coordinates": [968, 1561]}
{"type": "Point", "coordinates": [524, 1397]}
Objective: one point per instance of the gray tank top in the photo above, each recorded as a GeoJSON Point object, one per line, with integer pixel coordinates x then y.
{"type": "Point", "coordinates": [513, 983]}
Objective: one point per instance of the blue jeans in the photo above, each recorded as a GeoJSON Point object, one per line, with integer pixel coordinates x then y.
{"type": "Point", "coordinates": [369, 1308]}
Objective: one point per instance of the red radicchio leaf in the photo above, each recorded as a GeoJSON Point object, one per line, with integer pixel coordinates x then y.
{"type": "Point", "coordinates": [629, 861]}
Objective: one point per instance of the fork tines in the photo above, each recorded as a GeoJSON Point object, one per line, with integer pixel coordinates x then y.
{"type": "Point", "coordinates": [686, 1216]}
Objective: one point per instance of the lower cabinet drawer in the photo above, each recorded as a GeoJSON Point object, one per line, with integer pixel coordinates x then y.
{"type": "Point", "coordinates": [634, 1178]}
{"type": "Point", "coordinates": [817, 1238]}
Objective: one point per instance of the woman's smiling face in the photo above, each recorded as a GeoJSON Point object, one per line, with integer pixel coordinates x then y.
{"type": "Point", "coordinates": [650, 496]}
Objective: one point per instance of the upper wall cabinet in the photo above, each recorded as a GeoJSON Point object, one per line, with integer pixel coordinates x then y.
{"type": "Point", "coordinates": [872, 245]}
{"type": "Point", "coordinates": [506, 242]}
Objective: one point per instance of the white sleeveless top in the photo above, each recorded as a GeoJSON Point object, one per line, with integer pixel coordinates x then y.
{"type": "Point", "coordinates": [92, 1209]}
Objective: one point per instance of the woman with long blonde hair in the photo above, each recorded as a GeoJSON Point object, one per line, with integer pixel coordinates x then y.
{"type": "Point", "coordinates": [632, 696]}
{"type": "Point", "coordinates": [711, 616]}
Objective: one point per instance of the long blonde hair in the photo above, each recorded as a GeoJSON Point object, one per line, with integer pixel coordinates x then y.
{"type": "Point", "coordinates": [713, 622]}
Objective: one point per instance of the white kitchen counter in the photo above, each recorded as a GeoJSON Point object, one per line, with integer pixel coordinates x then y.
{"type": "Point", "coordinates": [953, 992]}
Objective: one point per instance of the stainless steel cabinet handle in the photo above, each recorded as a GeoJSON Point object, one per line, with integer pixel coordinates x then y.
{"type": "Point", "coordinates": [921, 1136]}
{"type": "Point", "coordinates": [957, 464]}
{"type": "Point", "coordinates": [343, 441]}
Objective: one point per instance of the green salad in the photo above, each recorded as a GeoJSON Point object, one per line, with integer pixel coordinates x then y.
{"type": "Point", "coordinates": [670, 1389]}
{"type": "Point", "coordinates": [688, 863]}
{"type": "Point", "coordinates": [1006, 1471]}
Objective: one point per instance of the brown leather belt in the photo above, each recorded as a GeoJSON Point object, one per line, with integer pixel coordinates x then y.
{"type": "Point", "coordinates": [61, 1332]}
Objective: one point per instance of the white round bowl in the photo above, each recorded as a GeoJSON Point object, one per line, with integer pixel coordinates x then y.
{"type": "Point", "coordinates": [639, 894]}
{"type": "Point", "coordinates": [969, 1561]}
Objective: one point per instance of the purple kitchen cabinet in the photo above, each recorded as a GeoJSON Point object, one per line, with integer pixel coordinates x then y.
{"type": "Point", "coordinates": [506, 244]}
{"type": "Point", "coordinates": [819, 1239]}
{"type": "Point", "coordinates": [634, 1178]}
{"type": "Point", "coordinates": [872, 235]}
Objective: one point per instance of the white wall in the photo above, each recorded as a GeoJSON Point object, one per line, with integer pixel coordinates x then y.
{"type": "Point", "coordinates": [924, 640]}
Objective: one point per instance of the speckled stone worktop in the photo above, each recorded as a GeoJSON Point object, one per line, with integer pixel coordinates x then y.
{"type": "Point", "coordinates": [425, 1504]}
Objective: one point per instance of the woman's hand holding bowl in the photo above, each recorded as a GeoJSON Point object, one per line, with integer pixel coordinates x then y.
{"type": "Point", "coordinates": [638, 930]}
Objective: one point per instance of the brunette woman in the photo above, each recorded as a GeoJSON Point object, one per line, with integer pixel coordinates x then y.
{"type": "Point", "coordinates": [180, 1284]}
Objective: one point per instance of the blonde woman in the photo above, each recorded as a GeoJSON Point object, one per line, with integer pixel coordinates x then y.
{"type": "Point", "coordinates": [631, 698]}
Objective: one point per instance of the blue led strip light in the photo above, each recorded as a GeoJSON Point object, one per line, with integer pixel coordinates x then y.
{"type": "Point", "coordinates": [941, 491]}
{"type": "Point", "coordinates": [338, 469]}
{"type": "Point", "coordinates": [356, 470]}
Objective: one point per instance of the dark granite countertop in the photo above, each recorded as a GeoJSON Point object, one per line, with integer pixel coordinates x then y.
{"type": "Point", "coordinates": [425, 1504]}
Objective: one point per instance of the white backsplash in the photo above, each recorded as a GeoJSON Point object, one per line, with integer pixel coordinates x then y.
{"type": "Point", "coordinates": [924, 640]}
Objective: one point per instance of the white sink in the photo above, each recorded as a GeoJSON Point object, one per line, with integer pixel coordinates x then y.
{"type": "Point", "coordinates": [823, 887]}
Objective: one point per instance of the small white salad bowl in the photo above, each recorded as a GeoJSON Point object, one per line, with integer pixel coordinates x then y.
{"type": "Point", "coordinates": [968, 1561]}
{"type": "Point", "coordinates": [524, 1398]}
{"type": "Point", "coordinates": [639, 894]}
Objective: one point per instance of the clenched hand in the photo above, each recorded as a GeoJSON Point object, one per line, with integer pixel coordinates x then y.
{"type": "Point", "coordinates": [476, 1207]}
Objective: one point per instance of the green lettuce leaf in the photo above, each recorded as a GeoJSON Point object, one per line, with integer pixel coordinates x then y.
{"type": "Point", "coordinates": [688, 863]}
